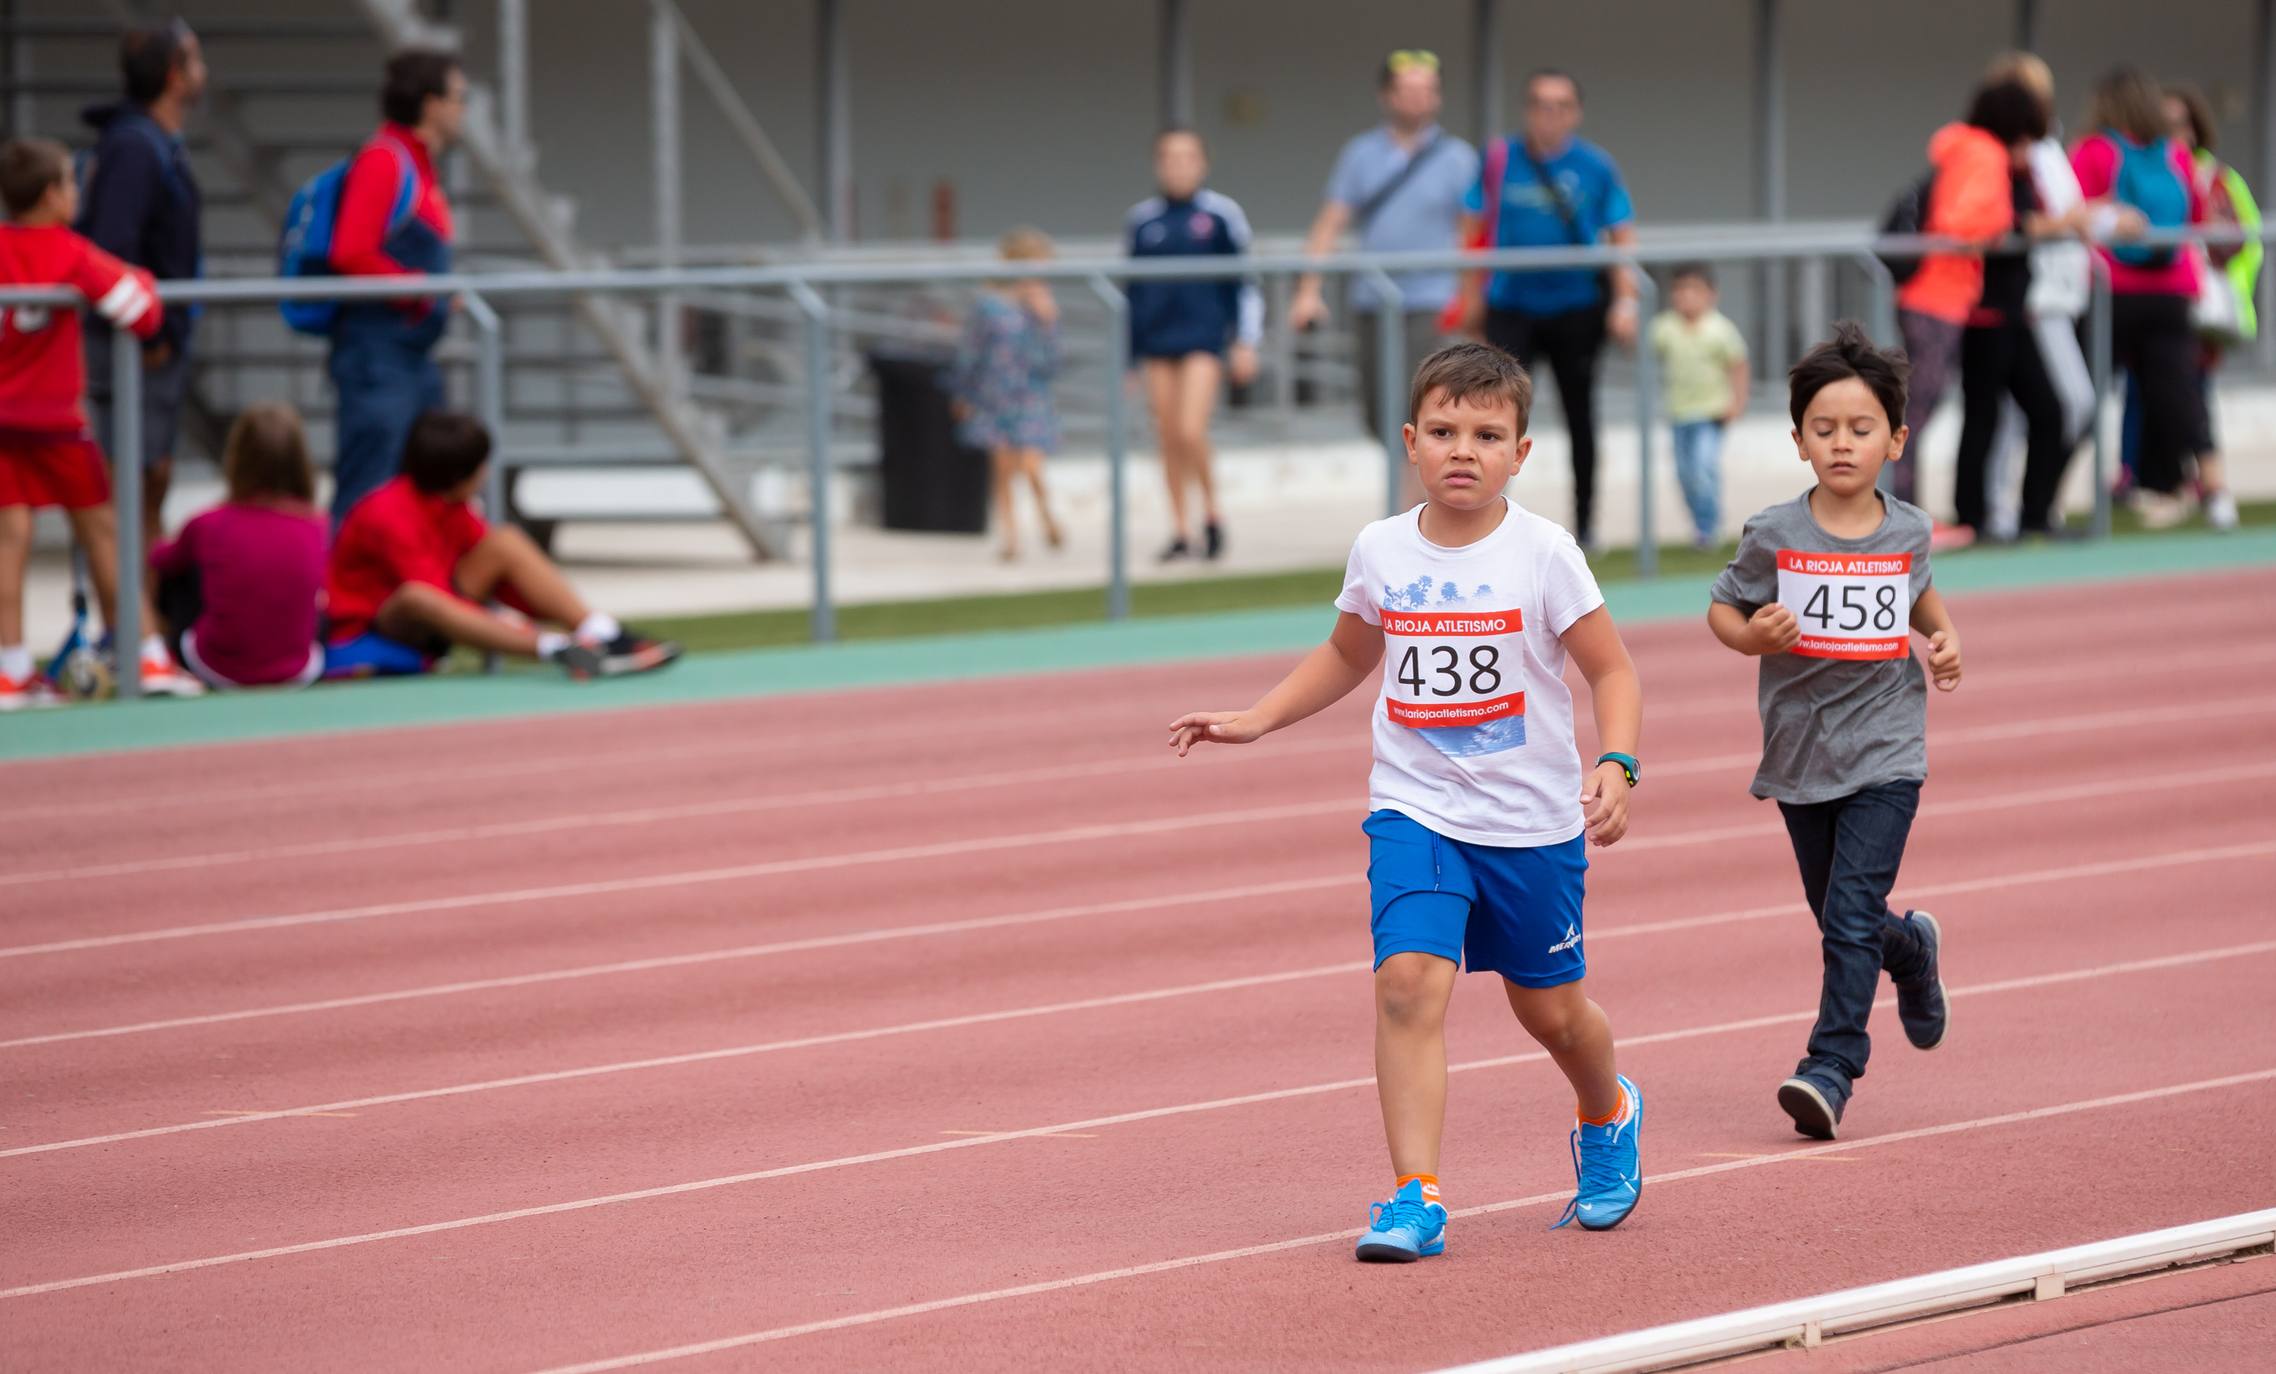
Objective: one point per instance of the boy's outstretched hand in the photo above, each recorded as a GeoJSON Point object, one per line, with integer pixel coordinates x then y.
{"type": "Point", "coordinates": [1604, 804]}
{"type": "Point", "coordinates": [1217, 727]}
{"type": "Point", "coordinates": [1944, 659]}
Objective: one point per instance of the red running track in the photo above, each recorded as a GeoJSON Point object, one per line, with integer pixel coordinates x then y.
{"type": "Point", "coordinates": [874, 1033]}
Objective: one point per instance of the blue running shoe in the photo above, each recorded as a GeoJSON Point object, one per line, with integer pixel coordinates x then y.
{"type": "Point", "coordinates": [1404, 1229]}
{"type": "Point", "coordinates": [1921, 1007]}
{"type": "Point", "coordinates": [1608, 1166]}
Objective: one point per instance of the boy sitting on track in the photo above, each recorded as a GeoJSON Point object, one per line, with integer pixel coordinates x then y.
{"type": "Point", "coordinates": [1823, 589]}
{"type": "Point", "coordinates": [1479, 803]}
{"type": "Point", "coordinates": [413, 565]}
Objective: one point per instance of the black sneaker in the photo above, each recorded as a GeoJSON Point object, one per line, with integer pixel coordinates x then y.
{"type": "Point", "coordinates": [1816, 1113]}
{"type": "Point", "coordinates": [582, 662]}
{"type": "Point", "coordinates": [1213, 540]}
{"type": "Point", "coordinates": [1178, 549]}
{"type": "Point", "coordinates": [632, 652]}
{"type": "Point", "coordinates": [1920, 1001]}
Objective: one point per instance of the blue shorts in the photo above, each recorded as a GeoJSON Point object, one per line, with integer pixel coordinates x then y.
{"type": "Point", "coordinates": [372, 654]}
{"type": "Point", "coordinates": [1517, 912]}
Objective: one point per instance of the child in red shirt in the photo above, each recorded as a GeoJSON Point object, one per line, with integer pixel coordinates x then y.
{"type": "Point", "coordinates": [240, 586]}
{"type": "Point", "coordinates": [414, 564]}
{"type": "Point", "coordinates": [47, 457]}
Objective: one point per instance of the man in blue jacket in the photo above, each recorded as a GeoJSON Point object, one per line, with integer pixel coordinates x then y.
{"type": "Point", "coordinates": [141, 204]}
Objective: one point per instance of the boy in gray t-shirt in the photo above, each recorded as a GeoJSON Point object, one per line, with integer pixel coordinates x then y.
{"type": "Point", "coordinates": [1826, 589]}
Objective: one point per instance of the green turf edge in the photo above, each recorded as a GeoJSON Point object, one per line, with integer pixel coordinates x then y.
{"type": "Point", "coordinates": [728, 676]}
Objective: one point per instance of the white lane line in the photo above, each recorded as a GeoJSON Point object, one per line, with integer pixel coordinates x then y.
{"type": "Point", "coordinates": [2104, 868]}
{"type": "Point", "coordinates": [918, 1309]}
{"type": "Point", "coordinates": [1094, 1124]}
{"type": "Point", "coordinates": [1113, 830]}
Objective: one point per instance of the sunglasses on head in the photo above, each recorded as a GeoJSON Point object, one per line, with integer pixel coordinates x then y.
{"type": "Point", "coordinates": [1411, 59]}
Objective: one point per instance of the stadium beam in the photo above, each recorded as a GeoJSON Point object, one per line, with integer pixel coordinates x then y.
{"type": "Point", "coordinates": [664, 114]}
{"type": "Point", "coordinates": [513, 77]}
{"type": "Point", "coordinates": [1486, 52]}
{"type": "Point", "coordinates": [1173, 62]}
{"type": "Point", "coordinates": [1770, 174]}
{"type": "Point", "coordinates": [2027, 25]}
{"type": "Point", "coordinates": [836, 120]}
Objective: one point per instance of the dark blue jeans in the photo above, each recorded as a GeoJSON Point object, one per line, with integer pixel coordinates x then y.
{"type": "Point", "coordinates": [1849, 849]}
{"type": "Point", "coordinates": [383, 384]}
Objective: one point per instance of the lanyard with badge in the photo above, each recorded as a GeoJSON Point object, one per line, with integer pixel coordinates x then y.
{"type": "Point", "coordinates": [1453, 667]}
{"type": "Point", "coordinates": [1848, 605]}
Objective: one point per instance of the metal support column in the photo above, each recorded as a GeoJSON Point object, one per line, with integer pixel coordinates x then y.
{"type": "Point", "coordinates": [490, 408]}
{"type": "Point", "coordinates": [1486, 75]}
{"type": "Point", "coordinates": [1117, 447]}
{"type": "Point", "coordinates": [2264, 127]}
{"type": "Point", "coordinates": [126, 469]}
{"type": "Point", "coordinates": [836, 120]}
{"type": "Point", "coordinates": [1173, 63]}
{"type": "Point", "coordinates": [823, 615]}
{"type": "Point", "coordinates": [664, 115]}
{"type": "Point", "coordinates": [2027, 25]}
{"type": "Point", "coordinates": [1390, 385]}
{"type": "Point", "coordinates": [513, 78]}
{"type": "Point", "coordinates": [1773, 353]}
{"type": "Point", "coordinates": [1647, 421]}
{"type": "Point", "coordinates": [2099, 361]}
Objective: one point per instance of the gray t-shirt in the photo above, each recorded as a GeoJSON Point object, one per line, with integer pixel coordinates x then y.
{"type": "Point", "coordinates": [1423, 215]}
{"type": "Point", "coordinates": [1832, 727]}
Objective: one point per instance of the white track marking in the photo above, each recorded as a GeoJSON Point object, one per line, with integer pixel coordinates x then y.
{"type": "Point", "coordinates": [2104, 868]}
{"type": "Point", "coordinates": [1024, 1290]}
{"type": "Point", "coordinates": [1097, 1123]}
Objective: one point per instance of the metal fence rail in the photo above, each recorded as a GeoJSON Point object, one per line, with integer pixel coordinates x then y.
{"type": "Point", "coordinates": [801, 283]}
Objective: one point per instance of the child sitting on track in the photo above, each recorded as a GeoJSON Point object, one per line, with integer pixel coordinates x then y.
{"type": "Point", "coordinates": [1479, 802]}
{"type": "Point", "coordinates": [240, 585]}
{"type": "Point", "coordinates": [414, 564]}
{"type": "Point", "coordinates": [1823, 589]}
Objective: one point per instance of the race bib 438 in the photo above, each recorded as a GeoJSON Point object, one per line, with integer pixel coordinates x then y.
{"type": "Point", "coordinates": [1848, 605]}
{"type": "Point", "coordinates": [1454, 667]}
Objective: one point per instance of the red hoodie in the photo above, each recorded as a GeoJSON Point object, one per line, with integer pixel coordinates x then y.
{"type": "Point", "coordinates": [1971, 200]}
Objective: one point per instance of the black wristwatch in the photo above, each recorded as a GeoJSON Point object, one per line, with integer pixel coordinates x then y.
{"type": "Point", "coordinates": [1633, 770]}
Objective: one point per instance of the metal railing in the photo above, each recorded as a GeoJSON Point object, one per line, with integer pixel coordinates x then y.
{"type": "Point", "coordinates": [802, 284]}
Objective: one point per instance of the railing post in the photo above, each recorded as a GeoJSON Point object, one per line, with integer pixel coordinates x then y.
{"type": "Point", "coordinates": [126, 462]}
{"type": "Point", "coordinates": [664, 114]}
{"type": "Point", "coordinates": [513, 78]}
{"type": "Point", "coordinates": [824, 615]}
{"type": "Point", "coordinates": [490, 408]}
{"type": "Point", "coordinates": [1117, 447]}
{"type": "Point", "coordinates": [1390, 380]}
{"type": "Point", "coordinates": [2099, 359]}
{"type": "Point", "coordinates": [1283, 354]}
{"type": "Point", "coordinates": [1647, 419]}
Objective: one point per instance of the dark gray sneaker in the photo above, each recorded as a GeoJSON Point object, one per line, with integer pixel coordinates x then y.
{"type": "Point", "coordinates": [1920, 1002]}
{"type": "Point", "coordinates": [1816, 1113]}
{"type": "Point", "coordinates": [632, 652]}
{"type": "Point", "coordinates": [582, 662]}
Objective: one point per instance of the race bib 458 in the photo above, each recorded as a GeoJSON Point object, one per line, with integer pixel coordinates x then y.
{"type": "Point", "coordinates": [1454, 667]}
{"type": "Point", "coordinates": [1848, 605]}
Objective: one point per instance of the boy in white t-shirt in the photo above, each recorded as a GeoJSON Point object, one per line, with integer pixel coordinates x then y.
{"type": "Point", "coordinates": [1479, 805]}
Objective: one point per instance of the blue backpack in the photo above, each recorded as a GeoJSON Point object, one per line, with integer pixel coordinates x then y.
{"type": "Point", "coordinates": [304, 249]}
{"type": "Point", "coordinates": [2148, 181]}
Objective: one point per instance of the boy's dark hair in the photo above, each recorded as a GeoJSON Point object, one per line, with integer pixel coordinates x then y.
{"type": "Point", "coordinates": [1473, 371]}
{"type": "Point", "coordinates": [28, 166]}
{"type": "Point", "coordinates": [414, 76]}
{"type": "Point", "coordinates": [148, 57]}
{"type": "Point", "coordinates": [1540, 74]}
{"type": "Point", "coordinates": [1696, 271]}
{"type": "Point", "coordinates": [2128, 101]}
{"type": "Point", "coordinates": [2009, 111]}
{"type": "Point", "coordinates": [1850, 353]}
{"type": "Point", "coordinates": [266, 455]}
{"type": "Point", "coordinates": [2205, 131]}
{"type": "Point", "coordinates": [445, 448]}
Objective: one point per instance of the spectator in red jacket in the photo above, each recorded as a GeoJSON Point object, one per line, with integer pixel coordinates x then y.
{"type": "Point", "coordinates": [394, 220]}
{"type": "Point", "coordinates": [47, 457]}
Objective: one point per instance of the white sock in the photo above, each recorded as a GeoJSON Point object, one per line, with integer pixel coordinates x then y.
{"type": "Point", "coordinates": [15, 661]}
{"type": "Point", "coordinates": [598, 627]}
{"type": "Point", "coordinates": [551, 642]}
{"type": "Point", "coordinates": [154, 649]}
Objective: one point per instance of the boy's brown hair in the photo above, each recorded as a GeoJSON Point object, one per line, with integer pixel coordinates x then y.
{"type": "Point", "coordinates": [266, 456]}
{"type": "Point", "coordinates": [1472, 372]}
{"type": "Point", "coordinates": [28, 166]}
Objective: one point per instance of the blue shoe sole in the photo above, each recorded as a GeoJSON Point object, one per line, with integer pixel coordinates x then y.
{"type": "Point", "coordinates": [1387, 1252]}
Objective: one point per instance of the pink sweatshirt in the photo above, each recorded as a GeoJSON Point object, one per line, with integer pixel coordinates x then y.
{"type": "Point", "coordinates": [260, 570]}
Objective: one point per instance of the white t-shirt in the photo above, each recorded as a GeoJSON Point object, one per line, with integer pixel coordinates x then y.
{"type": "Point", "coordinates": [1474, 724]}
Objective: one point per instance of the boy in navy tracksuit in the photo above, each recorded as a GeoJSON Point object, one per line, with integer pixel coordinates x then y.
{"type": "Point", "coordinates": [382, 360]}
{"type": "Point", "coordinates": [1187, 335]}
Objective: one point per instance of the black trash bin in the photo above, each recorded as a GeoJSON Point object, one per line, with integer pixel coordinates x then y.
{"type": "Point", "coordinates": [930, 481]}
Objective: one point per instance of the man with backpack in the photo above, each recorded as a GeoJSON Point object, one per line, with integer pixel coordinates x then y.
{"type": "Point", "coordinates": [1548, 188]}
{"type": "Point", "coordinates": [392, 219]}
{"type": "Point", "coordinates": [139, 202]}
{"type": "Point", "coordinates": [1400, 187]}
